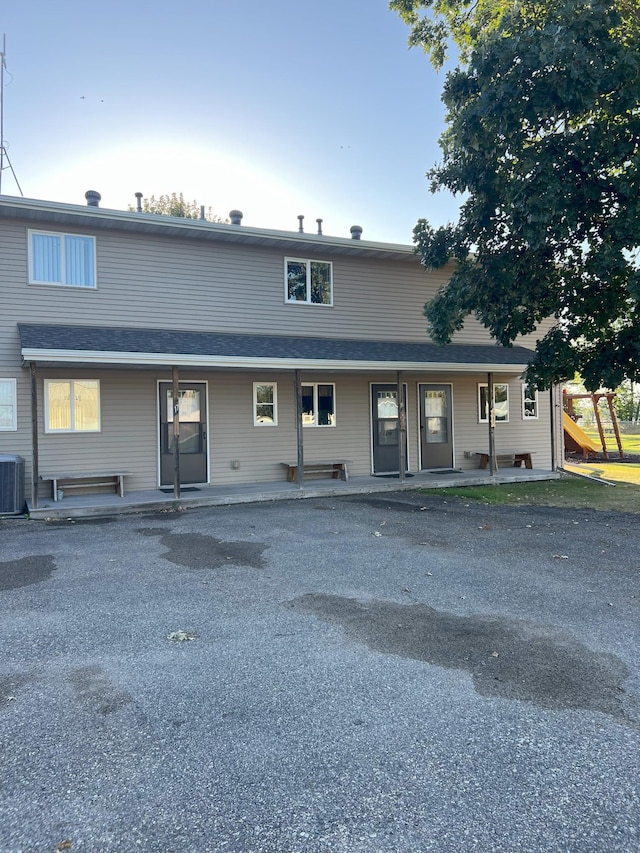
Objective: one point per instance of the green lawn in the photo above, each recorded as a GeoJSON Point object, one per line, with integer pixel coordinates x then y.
{"type": "Point", "coordinates": [630, 443]}
{"type": "Point", "coordinates": [568, 491]}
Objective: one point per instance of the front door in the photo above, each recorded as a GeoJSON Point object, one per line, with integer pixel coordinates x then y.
{"type": "Point", "coordinates": [193, 433]}
{"type": "Point", "coordinates": [384, 422]}
{"type": "Point", "coordinates": [436, 433]}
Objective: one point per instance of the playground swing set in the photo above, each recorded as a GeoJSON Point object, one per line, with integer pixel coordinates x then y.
{"type": "Point", "coordinates": [575, 438]}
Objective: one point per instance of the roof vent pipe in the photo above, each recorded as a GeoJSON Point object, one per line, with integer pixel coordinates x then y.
{"type": "Point", "coordinates": [319, 221]}
{"type": "Point", "coordinates": [235, 217]}
{"type": "Point", "coordinates": [300, 225]}
{"type": "Point", "coordinates": [138, 202]}
{"type": "Point", "coordinates": [93, 198]}
{"type": "Point", "coordinates": [356, 232]}
{"type": "Point", "coordinates": [202, 216]}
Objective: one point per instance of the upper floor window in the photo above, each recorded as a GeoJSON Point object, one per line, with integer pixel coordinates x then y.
{"type": "Point", "coordinates": [72, 405]}
{"type": "Point", "coordinates": [529, 402]}
{"type": "Point", "coordinates": [265, 404]}
{"type": "Point", "coordinates": [500, 402]}
{"type": "Point", "coordinates": [308, 282]}
{"type": "Point", "coordinates": [8, 405]}
{"type": "Point", "coordinates": [67, 259]}
{"type": "Point", "coordinates": [318, 405]}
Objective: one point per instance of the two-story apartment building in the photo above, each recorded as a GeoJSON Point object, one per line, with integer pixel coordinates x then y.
{"type": "Point", "coordinates": [279, 343]}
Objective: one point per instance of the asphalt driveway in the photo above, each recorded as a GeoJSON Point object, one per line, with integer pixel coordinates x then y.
{"type": "Point", "coordinates": [355, 675]}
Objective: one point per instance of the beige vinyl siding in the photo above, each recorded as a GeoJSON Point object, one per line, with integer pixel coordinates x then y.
{"type": "Point", "coordinates": [16, 442]}
{"type": "Point", "coordinates": [475, 333]}
{"type": "Point", "coordinates": [517, 434]}
{"type": "Point", "coordinates": [129, 406]}
{"type": "Point", "coordinates": [260, 450]}
{"type": "Point", "coordinates": [143, 280]}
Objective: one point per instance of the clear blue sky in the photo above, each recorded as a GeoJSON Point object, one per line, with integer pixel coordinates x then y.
{"type": "Point", "coordinates": [277, 108]}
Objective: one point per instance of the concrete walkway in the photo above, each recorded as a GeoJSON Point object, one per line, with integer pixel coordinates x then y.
{"type": "Point", "coordinates": [154, 500]}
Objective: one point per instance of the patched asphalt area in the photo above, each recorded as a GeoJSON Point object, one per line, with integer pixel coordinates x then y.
{"type": "Point", "coordinates": [374, 673]}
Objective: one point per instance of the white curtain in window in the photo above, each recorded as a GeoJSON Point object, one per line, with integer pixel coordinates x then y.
{"type": "Point", "coordinates": [45, 249]}
{"type": "Point", "coordinates": [78, 252]}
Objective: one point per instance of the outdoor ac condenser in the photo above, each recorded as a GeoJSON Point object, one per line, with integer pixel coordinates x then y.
{"type": "Point", "coordinates": [11, 485]}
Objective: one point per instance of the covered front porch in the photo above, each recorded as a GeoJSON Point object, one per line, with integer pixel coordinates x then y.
{"type": "Point", "coordinates": [156, 501]}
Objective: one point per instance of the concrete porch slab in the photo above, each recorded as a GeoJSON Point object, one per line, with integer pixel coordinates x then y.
{"type": "Point", "coordinates": [153, 500]}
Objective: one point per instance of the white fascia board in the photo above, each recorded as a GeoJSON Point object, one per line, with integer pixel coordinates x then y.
{"type": "Point", "coordinates": [133, 359]}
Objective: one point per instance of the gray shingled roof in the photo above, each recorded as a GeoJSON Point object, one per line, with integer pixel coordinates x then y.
{"type": "Point", "coordinates": [42, 341]}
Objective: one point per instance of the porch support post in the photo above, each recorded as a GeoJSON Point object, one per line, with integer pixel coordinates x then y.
{"type": "Point", "coordinates": [402, 431]}
{"type": "Point", "coordinates": [299, 432]}
{"type": "Point", "coordinates": [34, 435]}
{"type": "Point", "coordinates": [493, 462]}
{"type": "Point", "coordinates": [175, 375]}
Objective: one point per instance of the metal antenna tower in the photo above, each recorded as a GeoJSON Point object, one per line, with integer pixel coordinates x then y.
{"type": "Point", "coordinates": [4, 155]}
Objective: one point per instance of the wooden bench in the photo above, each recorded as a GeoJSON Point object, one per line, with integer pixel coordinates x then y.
{"type": "Point", "coordinates": [337, 469]}
{"type": "Point", "coordinates": [88, 480]}
{"type": "Point", "coordinates": [513, 458]}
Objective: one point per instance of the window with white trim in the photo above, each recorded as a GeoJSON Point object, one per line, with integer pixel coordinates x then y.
{"type": "Point", "coordinates": [72, 405]}
{"type": "Point", "coordinates": [318, 405]}
{"type": "Point", "coordinates": [308, 282]}
{"type": "Point", "coordinates": [529, 402]}
{"type": "Point", "coordinates": [63, 259]}
{"type": "Point", "coordinates": [500, 402]}
{"type": "Point", "coordinates": [8, 405]}
{"type": "Point", "coordinates": [265, 404]}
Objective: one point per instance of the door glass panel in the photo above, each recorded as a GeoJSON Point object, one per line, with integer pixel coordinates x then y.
{"type": "Point", "coordinates": [387, 404]}
{"type": "Point", "coordinates": [388, 432]}
{"type": "Point", "coordinates": [435, 410]}
{"type": "Point", "coordinates": [189, 406]}
{"type": "Point", "coordinates": [435, 404]}
{"type": "Point", "coordinates": [436, 430]}
{"type": "Point", "coordinates": [190, 437]}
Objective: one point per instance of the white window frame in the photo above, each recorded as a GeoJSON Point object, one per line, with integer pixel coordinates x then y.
{"type": "Point", "coordinates": [72, 429]}
{"type": "Point", "coordinates": [528, 416]}
{"type": "Point", "coordinates": [13, 395]}
{"type": "Point", "coordinates": [63, 271]}
{"type": "Point", "coordinates": [308, 301]}
{"type": "Point", "coordinates": [256, 421]}
{"type": "Point", "coordinates": [314, 423]}
{"type": "Point", "coordinates": [483, 413]}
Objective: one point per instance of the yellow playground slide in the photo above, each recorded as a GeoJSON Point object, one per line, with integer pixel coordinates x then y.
{"type": "Point", "coordinates": [579, 436]}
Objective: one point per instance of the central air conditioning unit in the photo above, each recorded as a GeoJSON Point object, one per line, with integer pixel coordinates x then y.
{"type": "Point", "coordinates": [11, 485]}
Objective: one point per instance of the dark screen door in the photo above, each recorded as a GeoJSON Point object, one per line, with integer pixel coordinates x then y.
{"type": "Point", "coordinates": [384, 423]}
{"type": "Point", "coordinates": [436, 434]}
{"type": "Point", "coordinates": [193, 433]}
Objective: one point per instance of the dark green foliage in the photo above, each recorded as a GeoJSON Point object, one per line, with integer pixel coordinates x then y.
{"type": "Point", "coordinates": [543, 138]}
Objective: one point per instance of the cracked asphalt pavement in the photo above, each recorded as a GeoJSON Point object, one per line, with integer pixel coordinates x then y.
{"type": "Point", "coordinates": [362, 674]}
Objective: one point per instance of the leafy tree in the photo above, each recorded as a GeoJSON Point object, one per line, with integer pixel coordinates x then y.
{"type": "Point", "coordinates": [175, 205]}
{"type": "Point", "coordinates": [627, 402]}
{"type": "Point", "coordinates": [543, 139]}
